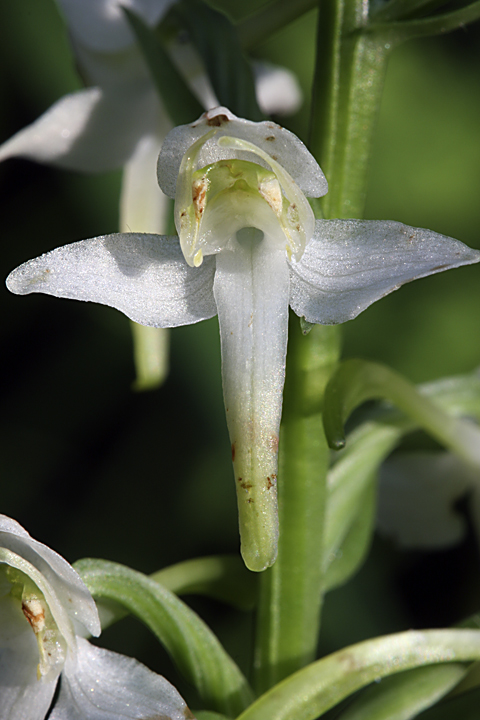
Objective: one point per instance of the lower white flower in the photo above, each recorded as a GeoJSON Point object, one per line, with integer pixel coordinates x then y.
{"type": "Point", "coordinates": [45, 609]}
{"type": "Point", "coordinates": [417, 496]}
{"type": "Point", "coordinates": [249, 247]}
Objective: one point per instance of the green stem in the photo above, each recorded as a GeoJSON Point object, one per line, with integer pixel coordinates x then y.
{"type": "Point", "coordinates": [349, 76]}
{"type": "Point", "coordinates": [291, 591]}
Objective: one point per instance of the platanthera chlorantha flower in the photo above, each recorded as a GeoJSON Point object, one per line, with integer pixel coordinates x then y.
{"type": "Point", "coordinates": [76, 132]}
{"type": "Point", "coordinates": [45, 609]}
{"type": "Point", "coordinates": [417, 497]}
{"type": "Point", "coordinates": [249, 246]}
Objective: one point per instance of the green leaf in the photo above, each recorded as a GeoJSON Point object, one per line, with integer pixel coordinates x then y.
{"type": "Point", "coordinates": [356, 381]}
{"type": "Point", "coordinates": [270, 18]}
{"type": "Point", "coordinates": [397, 9]}
{"type": "Point", "coordinates": [397, 32]}
{"type": "Point", "coordinates": [206, 715]}
{"type": "Point", "coordinates": [350, 478]}
{"type": "Point", "coordinates": [349, 521]}
{"type": "Point", "coordinates": [312, 691]}
{"type": "Point", "coordinates": [180, 104]}
{"type": "Point", "coordinates": [192, 645]}
{"type": "Point", "coordinates": [217, 42]}
{"type": "Point", "coordinates": [403, 696]}
{"type": "Point", "coordinates": [354, 548]}
{"type": "Point", "coordinates": [222, 577]}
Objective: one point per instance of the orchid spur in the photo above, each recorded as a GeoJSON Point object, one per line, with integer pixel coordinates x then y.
{"type": "Point", "coordinates": [249, 246]}
{"type": "Point", "coordinates": [45, 612]}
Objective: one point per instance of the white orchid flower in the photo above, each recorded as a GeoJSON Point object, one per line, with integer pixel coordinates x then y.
{"type": "Point", "coordinates": [119, 121]}
{"type": "Point", "coordinates": [417, 496]}
{"type": "Point", "coordinates": [45, 609]}
{"type": "Point", "coordinates": [249, 247]}
{"type": "Point", "coordinates": [77, 131]}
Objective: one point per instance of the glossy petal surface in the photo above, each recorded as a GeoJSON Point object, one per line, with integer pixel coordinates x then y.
{"type": "Point", "coordinates": [76, 132]}
{"type": "Point", "coordinates": [101, 25]}
{"type": "Point", "coordinates": [143, 276]}
{"type": "Point", "coordinates": [22, 694]}
{"type": "Point", "coordinates": [71, 592]}
{"type": "Point", "coordinates": [349, 264]}
{"type": "Point", "coordinates": [284, 147]}
{"type": "Point", "coordinates": [251, 290]}
{"type": "Point", "coordinates": [103, 685]}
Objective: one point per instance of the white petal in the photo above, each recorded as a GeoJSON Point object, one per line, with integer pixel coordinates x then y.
{"type": "Point", "coordinates": [282, 145]}
{"type": "Point", "coordinates": [101, 25]}
{"type": "Point", "coordinates": [70, 594]}
{"type": "Point", "coordinates": [189, 63]}
{"type": "Point", "coordinates": [144, 276]}
{"type": "Point", "coordinates": [103, 685]}
{"type": "Point", "coordinates": [76, 132]}
{"type": "Point", "coordinates": [143, 206]}
{"type": "Point", "coordinates": [277, 89]}
{"type": "Point", "coordinates": [22, 695]}
{"type": "Point", "coordinates": [349, 264]}
{"type": "Point", "coordinates": [417, 494]}
{"type": "Point", "coordinates": [251, 290]}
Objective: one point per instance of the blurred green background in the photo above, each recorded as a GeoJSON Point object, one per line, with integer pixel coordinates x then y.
{"type": "Point", "coordinates": [93, 469]}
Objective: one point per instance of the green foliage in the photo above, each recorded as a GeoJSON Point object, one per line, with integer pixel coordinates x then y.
{"type": "Point", "coordinates": [217, 42]}
{"type": "Point", "coordinates": [194, 648]}
{"type": "Point", "coordinates": [179, 102]}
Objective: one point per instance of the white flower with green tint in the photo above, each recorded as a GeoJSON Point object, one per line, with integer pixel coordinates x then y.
{"type": "Point", "coordinates": [45, 612]}
{"type": "Point", "coordinates": [248, 248]}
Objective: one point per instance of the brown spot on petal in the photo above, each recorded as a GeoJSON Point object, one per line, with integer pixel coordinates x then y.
{"type": "Point", "coordinates": [271, 481]}
{"type": "Point", "coordinates": [33, 610]}
{"type": "Point", "coordinates": [244, 484]}
{"type": "Point", "coordinates": [270, 138]}
{"type": "Point", "coordinates": [199, 195]}
{"type": "Point", "coordinates": [233, 452]}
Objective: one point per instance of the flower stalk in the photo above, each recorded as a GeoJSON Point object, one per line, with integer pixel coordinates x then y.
{"type": "Point", "coordinates": [349, 75]}
{"type": "Point", "coordinates": [144, 208]}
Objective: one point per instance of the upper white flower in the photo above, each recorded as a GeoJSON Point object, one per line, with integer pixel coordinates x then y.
{"type": "Point", "coordinates": [45, 610]}
{"type": "Point", "coordinates": [249, 247]}
{"type": "Point", "coordinates": [119, 113]}
{"type": "Point", "coordinates": [76, 132]}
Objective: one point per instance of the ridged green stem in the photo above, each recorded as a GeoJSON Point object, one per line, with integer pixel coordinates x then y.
{"type": "Point", "coordinates": [349, 76]}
